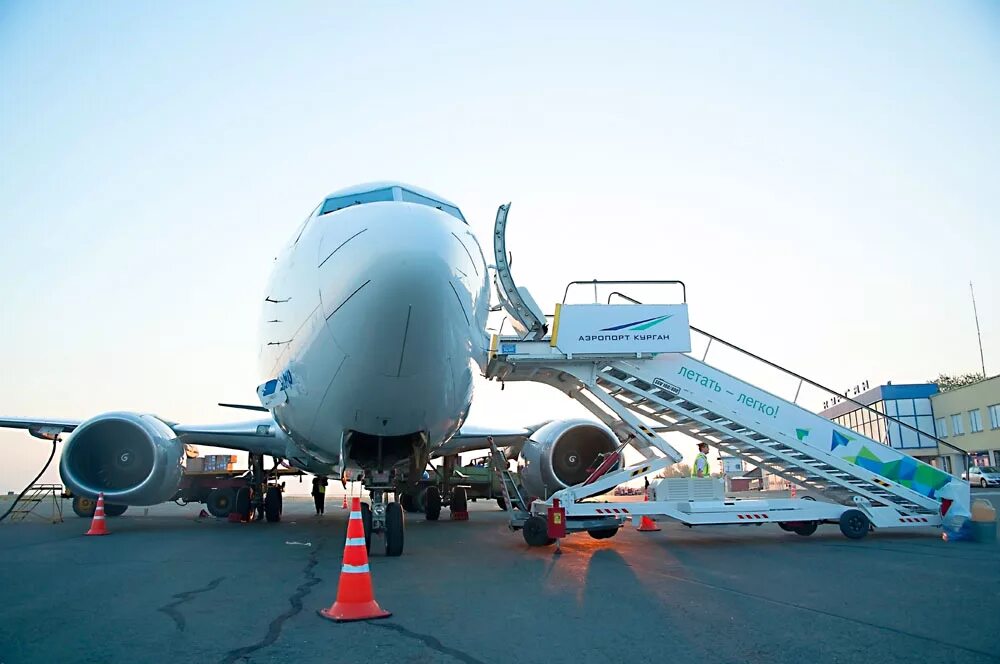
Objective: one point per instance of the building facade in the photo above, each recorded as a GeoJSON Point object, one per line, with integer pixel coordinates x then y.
{"type": "Point", "coordinates": [909, 404]}
{"type": "Point", "coordinates": [969, 418]}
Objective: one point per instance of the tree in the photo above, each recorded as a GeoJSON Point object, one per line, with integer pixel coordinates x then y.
{"type": "Point", "coordinates": [676, 470]}
{"type": "Point", "coordinates": [947, 383]}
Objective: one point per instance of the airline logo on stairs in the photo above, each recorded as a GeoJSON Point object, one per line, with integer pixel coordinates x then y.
{"type": "Point", "coordinates": [629, 328]}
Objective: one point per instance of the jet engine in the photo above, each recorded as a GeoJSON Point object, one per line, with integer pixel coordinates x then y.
{"type": "Point", "coordinates": [134, 459]}
{"type": "Point", "coordinates": [563, 453]}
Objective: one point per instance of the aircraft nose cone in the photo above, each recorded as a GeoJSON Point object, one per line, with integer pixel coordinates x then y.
{"type": "Point", "coordinates": [388, 298]}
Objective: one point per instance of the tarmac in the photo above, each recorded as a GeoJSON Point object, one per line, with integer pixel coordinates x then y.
{"type": "Point", "coordinates": [167, 586]}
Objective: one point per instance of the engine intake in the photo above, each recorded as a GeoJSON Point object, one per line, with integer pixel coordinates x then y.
{"type": "Point", "coordinates": [563, 453]}
{"type": "Point", "coordinates": [134, 459]}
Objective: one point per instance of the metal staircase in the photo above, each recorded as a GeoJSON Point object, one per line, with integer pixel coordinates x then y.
{"type": "Point", "coordinates": [33, 498]}
{"type": "Point", "coordinates": [511, 493]}
{"type": "Point", "coordinates": [631, 363]}
{"type": "Point", "coordinates": [734, 419]}
{"type": "Point", "coordinates": [821, 472]}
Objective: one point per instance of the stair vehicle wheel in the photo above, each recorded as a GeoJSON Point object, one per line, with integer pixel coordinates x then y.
{"type": "Point", "coordinates": [459, 500]}
{"type": "Point", "coordinates": [272, 505]}
{"type": "Point", "coordinates": [220, 502]}
{"type": "Point", "coordinates": [114, 510]}
{"type": "Point", "coordinates": [394, 529]}
{"type": "Point", "coordinates": [602, 533]}
{"type": "Point", "coordinates": [84, 507]}
{"type": "Point", "coordinates": [536, 532]}
{"type": "Point", "coordinates": [243, 506]}
{"type": "Point", "coordinates": [854, 524]}
{"type": "Point", "coordinates": [366, 521]}
{"type": "Point", "coordinates": [432, 503]}
{"type": "Point", "coordinates": [502, 503]}
{"type": "Point", "coordinates": [806, 528]}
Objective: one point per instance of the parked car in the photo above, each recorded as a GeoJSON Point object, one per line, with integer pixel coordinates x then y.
{"type": "Point", "coordinates": [984, 476]}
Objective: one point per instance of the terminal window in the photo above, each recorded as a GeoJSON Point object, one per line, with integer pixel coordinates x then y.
{"type": "Point", "coordinates": [942, 429]}
{"type": "Point", "coordinates": [956, 424]}
{"type": "Point", "coordinates": [975, 421]}
{"type": "Point", "coordinates": [995, 416]}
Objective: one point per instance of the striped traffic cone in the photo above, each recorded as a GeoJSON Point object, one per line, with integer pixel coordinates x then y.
{"type": "Point", "coordinates": [355, 600]}
{"type": "Point", "coordinates": [344, 505]}
{"type": "Point", "coordinates": [647, 525]}
{"type": "Point", "coordinates": [97, 525]}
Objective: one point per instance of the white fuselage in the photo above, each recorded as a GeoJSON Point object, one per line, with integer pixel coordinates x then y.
{"type": "Point", "coordinates": [375, 322]}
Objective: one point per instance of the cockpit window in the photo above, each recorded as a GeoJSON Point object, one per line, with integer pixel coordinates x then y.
{"type": "Point", "coordinates": [414, 197]}
{"type": "Point", "coordinates": [397, 193]}
{"type": "Point", "coordinates": [340, 202]}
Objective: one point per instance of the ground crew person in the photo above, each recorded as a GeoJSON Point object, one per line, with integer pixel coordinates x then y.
{"type": "Point", "coordinates": [700, 468]}
{"type": "Point", "coordinates": [319, 494]}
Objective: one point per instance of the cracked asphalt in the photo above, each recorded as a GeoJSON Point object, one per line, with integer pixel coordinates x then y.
{"type": "Point", "coordinates": [167, 586]}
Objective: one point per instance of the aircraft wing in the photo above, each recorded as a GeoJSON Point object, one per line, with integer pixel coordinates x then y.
{"type": "Point", "coordinates": [471, 438]}
{"type": "Point", "coordinates": [258, 436]}
{"type": "Point", "coordinates": [46, 429]}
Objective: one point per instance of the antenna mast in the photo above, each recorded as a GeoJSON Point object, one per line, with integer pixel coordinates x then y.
{"type": "Point", "coordinates": [978, 334]}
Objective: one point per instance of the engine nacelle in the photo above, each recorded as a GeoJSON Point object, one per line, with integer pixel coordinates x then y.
{"type": "Point", "coordinates": [562, 454]}
{"type": "Point", "coordinates": [134, 459]}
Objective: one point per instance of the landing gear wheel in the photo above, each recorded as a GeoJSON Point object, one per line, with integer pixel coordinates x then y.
{"type": "Point", "coordinates": [366, 521]}
{"type": "Point", "coordinates": [114, 510]}
{"type": "Point", "coordinates": [459, 500]}
{"type": "Point", "coordinates": [432, 503]}
{"type": "Point", "coordinates": [602, 533]}
{"type": "Point", "coordinates": [220, 502]}
{"type": "Point", "coordinates": [84, 507]}
{"type": "Point", "coordinates": [502, 503]}
{"type": "Point", "coordinates": [806, 528]}
{"type": "Point", "coordinates": [272, 505]}
{"type": "Point", "coordinates": [536, 532]}
{"type": "Point", "coordinates": [243, 506]}
{"type": "Point", "coordinates": [394, 529]}
{"type": "Point", "coordinates": [408, 502]}
{"type": "Point", "coordinates": [854, 524]}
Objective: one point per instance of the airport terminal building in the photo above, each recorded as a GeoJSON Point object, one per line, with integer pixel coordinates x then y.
{"type": "Point", "coordinates": [968, 418]}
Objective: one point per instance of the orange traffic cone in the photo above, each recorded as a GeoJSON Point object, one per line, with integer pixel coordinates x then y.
{"type": "Point", "coordinates": [98, 526]}
{"type": "Point", "coordinates": [792, 495]}
{"type": "Point", "coordinates": [647, 525]}
{"type": "Point", "coordinates": [344, 505]}
{"type": "Point", "coordinates": [355, 600]}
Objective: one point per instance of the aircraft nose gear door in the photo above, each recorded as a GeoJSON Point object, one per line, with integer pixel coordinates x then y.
{"type": "Point", "coordinates": [518, 303]}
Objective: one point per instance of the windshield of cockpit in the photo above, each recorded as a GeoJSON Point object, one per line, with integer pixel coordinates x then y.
{"type": "Point", "coordinates": [335, 203]}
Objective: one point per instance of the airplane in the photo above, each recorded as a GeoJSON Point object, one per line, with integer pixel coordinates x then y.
{"type": "Point", "coordinates": [372, 329]}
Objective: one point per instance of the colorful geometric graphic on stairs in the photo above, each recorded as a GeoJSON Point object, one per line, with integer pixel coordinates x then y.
{"type": "Point", "coordinates": [838, 440]}
{"type": "Point", "coordinates": [919, 477]}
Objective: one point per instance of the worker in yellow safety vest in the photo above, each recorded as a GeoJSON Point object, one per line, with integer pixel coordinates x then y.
{"type": "Point", "coordinates": [700, 467]}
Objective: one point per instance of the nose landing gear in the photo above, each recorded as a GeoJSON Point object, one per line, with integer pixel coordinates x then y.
{"type": "Point", "coordinates": [386, 519]}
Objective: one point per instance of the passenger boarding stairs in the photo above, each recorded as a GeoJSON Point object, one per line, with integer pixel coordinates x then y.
{"type": "Point", "coordinates": [630, 364]}
{"type": "Point", "coordinates": [682, 394]}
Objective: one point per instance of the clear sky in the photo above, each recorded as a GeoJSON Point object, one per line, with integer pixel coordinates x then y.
{"type": "Point", "coordinates": [822, 175]}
